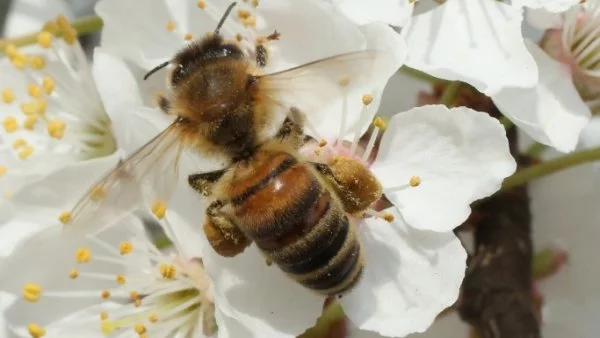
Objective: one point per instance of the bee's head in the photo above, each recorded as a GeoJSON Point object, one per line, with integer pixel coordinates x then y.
{"type": "Point", "coordinates": [193, 56]}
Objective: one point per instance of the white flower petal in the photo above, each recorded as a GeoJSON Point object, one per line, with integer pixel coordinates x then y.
{"type": "Point", "coordinates": [446, 326]}
{"type": "Point", "coordinates": [552, 112]}
{"type": "Point", "coordinates": [554, 6]}
{"type": "Point", "coordinates": [27, 16]}
{"type": "Point", "coordinates": [477, 41]}
{"type": "Point", "coordinates": [391, 12]}
{"type": "Point", "coordinates": [461, 155]}
{"type": "Point", "coordinates": [590, 135]}
{"type": "Point", "coordinates": [261, 297]}
{"type": "Point", "coordinates": [410, 276]}
{"type": "Point", "coordinates": [542, 19]}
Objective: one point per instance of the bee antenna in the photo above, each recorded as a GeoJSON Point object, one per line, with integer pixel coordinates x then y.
{"type": "Point", "coordinates": [224, 17]}
{"type": "Point", "coordinates": [156, 69]}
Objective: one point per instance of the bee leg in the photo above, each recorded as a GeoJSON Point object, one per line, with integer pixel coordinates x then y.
{"type": "Point", "coordinates": [292, 129]}
{"type": "Point", "coordinates": [354, 184]}
{"type": "Point", "coordinates": [204, 182]}
{"type": "Point", "coordinates": [222, 234]}
{"type": "Point", "coordinates": [163, 103]}
{"type": "Point", "coordinates": [260, 49]}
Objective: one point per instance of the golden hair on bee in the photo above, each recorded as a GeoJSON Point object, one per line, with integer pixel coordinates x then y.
{"type": "Point", "coordinates": [295, 211]}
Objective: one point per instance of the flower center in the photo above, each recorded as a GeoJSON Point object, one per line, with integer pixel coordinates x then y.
{"type": "Point", "coordinates": [60, 107]}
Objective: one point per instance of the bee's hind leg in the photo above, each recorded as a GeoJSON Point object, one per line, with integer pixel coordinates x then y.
{"type": "Point", "coordinates": [260, 49]}
{"type": "Point", "coordinates": [204, 182]}
{"type": "Point", "coordinates": [292, 129]}
{"type": "Point", "coordinates": [222, 234]}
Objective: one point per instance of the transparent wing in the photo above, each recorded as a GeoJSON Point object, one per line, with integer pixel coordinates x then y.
{"type": "Point", "coordinates": [318, 88]}
{"type": "Point", "coordinates": [148, 176]}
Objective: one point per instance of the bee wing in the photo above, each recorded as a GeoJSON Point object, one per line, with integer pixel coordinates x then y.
{"type": "Point", "coordinates": [150, 174]}
{"type": "Point", "coordinates": [315, 88]}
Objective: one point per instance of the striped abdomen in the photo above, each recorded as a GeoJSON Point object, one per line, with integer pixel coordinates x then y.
{"type": "Point", "coordinates": [281, 205]}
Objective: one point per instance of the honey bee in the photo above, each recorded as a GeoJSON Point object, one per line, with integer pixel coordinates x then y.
{"type": "Point", "coordinates": [295, 211]}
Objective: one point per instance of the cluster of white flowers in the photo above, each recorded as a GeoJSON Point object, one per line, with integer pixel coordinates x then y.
{"type": "Point", "coordinates": [66, 123]}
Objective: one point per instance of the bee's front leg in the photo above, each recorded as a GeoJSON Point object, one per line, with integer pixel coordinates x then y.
{"type": "Point", "coordinates": [222, 234]}
{"type": "Point", "coordinates": [261, 52]}
{"type": "Point", "coordinates": [163, 103]}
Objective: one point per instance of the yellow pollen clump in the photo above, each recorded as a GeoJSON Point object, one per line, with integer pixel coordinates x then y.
{"type": "Point", "coordinates": [137, 303]}
{"type": "Point", "coordinates": [45, 39]}
{"type": "Point", "coordinates": [83, 255]}
{"type": "Point", "coordinates": [56, 129]}
{"type": "Point", "coordinates": [10, 124]}
{"type": "Point", "coordinates": [125, 248]}
{"type": "Point", "coordinates": [243, 14]}
{"type": "Point", "coordinates": [171, 26]}
{"type": "Point", "coordinates": [11, 50]}
{"type": "Point", "coordinates": [64, 217]}
{"type": "Point", "coordinates": [254, 3]}
{"type": "Point", "coordinates": [28, 108]}
{"type": "Point", "coordinates": [26, 152]}
{"type": "Point", "coordinates": [41, 106]}
{"type": "Point", "coordinates": [103, 315]}
{"type": "Point", "coordinates": [37, 62]}
{"type": "Point", "coordinates": [32, 292]}
{"type": "Point", "coordinates": [105, 294]}
{"type": "Point", "coordinates": [168, 271]}
{"type": "Point", "coordinates": [388, 217]}
{"type": "Point", "coordinates": [3, 170]}
{"type": "Point", "coordinates": [322, 143]}
{"type": "Point", "coordinates": [188, 36]}
{"type": "Point", "coordinates": [140, 329]}
{"type": "Point", "coordinates": [379, 123]}
{"type": "Point", "coordinates": [30, 122]}
{"type": "Point", "coordinates": [153, 318]}
{"type": "Point", "coordinates": [107, 327]}
{"type": "Point", "coordinates": [70, 36]}
{"type": "Point", "coordinates": [18, 143]}
{"type": "Point", "coordinates": [201, 4]}
{"type": "Point", "coordinates": [34, 90]}
{"type": "Point", "coordinates": [8, 96]}
{"type": "Point", "coordinates": [414, 181]}
{"type": "Point", "coordinates": [367, 99]}
{"type": "Point", "coordinates": [98, 193]}
{"type": "Point", "coordinates": [121, 279]}
{"type": "Point", "coordinates": [35, 330]}
{"type": "Point", "coordinates": [159, 209]}
{"type": "Point", "coordinates": [134, 295]}
{"type": "Point", "coordinates": [48, 84]}
{"type": "Point", "coordinates": [249, 21]}
{"type": "Point", "coordinates": [73, 274]}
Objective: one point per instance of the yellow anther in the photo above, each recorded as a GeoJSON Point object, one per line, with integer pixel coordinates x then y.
{"type": "Point", "coordinates": [379, 123]}
{"type": "Point", "coordinates": [41, 105]}
{"type": "Point", "coordinates": [32, 292]}
{"type": "Point", "coordinates": [19, 61]}
{"type": "Point", "coordinates": [64, 217]}
{"type": "Point", "coordinates": [243, 14]}
{"type": "Point", "coordinates": [107, 327]}
{"type": "Point", "coordinates": [35, 331]}
{"type": "Point", "coordinates": [344, 81]}
{"type": "Point", "coordinates": [134, 295]}
{"type": "Point", "coordinates": [201, 4]}
{"type": "Point", "coordinates": [139, 329]}
{"type": "Point", "coordinates": [74, 273]}
{"type": "Point", "coordinates": [188, 36]}
{"type": "Point", "coordinates": [249, 21]}
{"type": "Point", "coordinates": [29, 108]}
{"type": "Point", "coordinates": [37, 62]}
{"type": "Point", "coordinates": [388, 217]}
{"type": "Point", "coordinates": [171, 26]}
{"type": "Point", "coordinates": [105, 294]}
{"type": "Point", "coordinates": [367, 99]}
{"type": "Point", "coordinates": [322, 143]}
{"type": "Point", "coordinates": [48, 84]}
{"type": "Point", "coordinates": [70, 36]}
{"type": "Point", "coordinates": [50, 26]}
{"type": "Point", "coordinates": [25, 152]}
{"type": "Point", "coordinates": [97, 193]}
{"type": "Point", "coordinates": [83, 255]}
{"type": "Point", "coordinates": [159, 209]}
{"type": "Point", "coordinates": [239, 37]}
{"type": "Point", "coordinates": [56, 129]}
{"type": "Point", "coordinates": [8, 96]}
{"type": "Point", "coordinates": [168, 271]}
{"type": "Point", "coordinates": [125, 248]}
{"type": "Point", "coordinates": [18, 143]}
{"type": "Point", "coordinates": [414, 181]}
{"type": "Point", "coordinates": [11, 50]}
{"type": "Point", "coordinates": [10, 124]}
{"type": "Point", "coordinates": [45, 39]}
{"type": "Point", "coordinates": [63, 23]}
{"type": "Point", "coordinates": [121, 279]}
{"type": "Point", "coordinates": [103, 315]}
{"type": "Point", "coordinates": [3, 170]}
{"type": "Point", "coordinates": [254, 3]}
{"type": "Point", "coordinates": [153, 318]}
{"type": "Point", "coordinates": [137, 302]}
{"type": "Point", "coordinates": [30, 122]}
{"type": "Point", "coordinates": [34, 90]}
